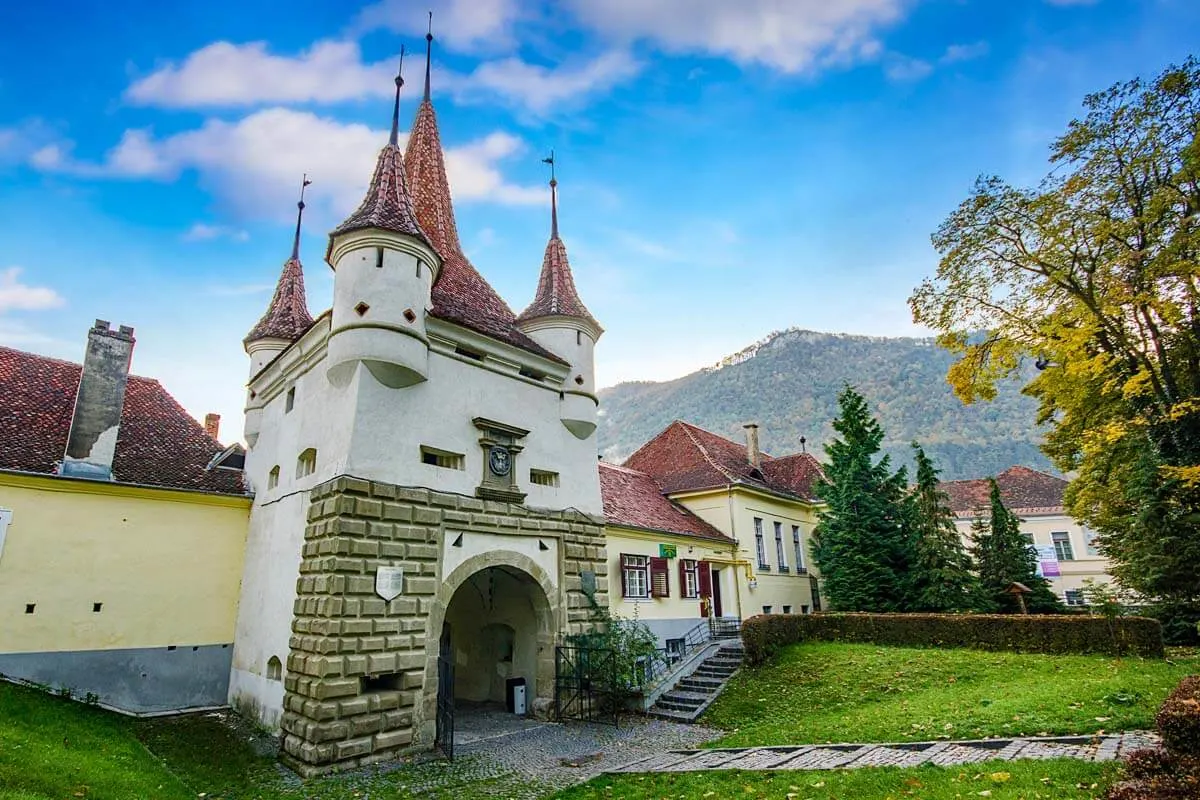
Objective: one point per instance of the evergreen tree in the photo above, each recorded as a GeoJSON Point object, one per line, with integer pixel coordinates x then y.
{"type": "Point", "coordinates": [1005, 557]}
{"type": "Point", "coordinates": [941, 576]}
{"type": "Point", "coordinates": [860, 544]}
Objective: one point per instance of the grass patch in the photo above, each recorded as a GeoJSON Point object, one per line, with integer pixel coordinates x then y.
{"type": "Point", "coordinates": [997, 780]}
{"type": "Point", "coordinates": [51, 749]}
{"type": "Point", "coordinates": [828, 692]}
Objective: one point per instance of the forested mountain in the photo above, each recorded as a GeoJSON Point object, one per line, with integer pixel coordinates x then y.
{"type": "Point", "coordinates": [788, 383]}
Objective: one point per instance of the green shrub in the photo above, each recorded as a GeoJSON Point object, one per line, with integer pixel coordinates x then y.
{"type": "Point", "coordinates": [1041, 633]}
{"type": "Point", "coordinates": [1178, 719]}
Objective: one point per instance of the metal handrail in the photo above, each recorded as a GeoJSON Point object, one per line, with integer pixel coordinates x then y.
{"type": "Point", "coordinates": [701, 635]}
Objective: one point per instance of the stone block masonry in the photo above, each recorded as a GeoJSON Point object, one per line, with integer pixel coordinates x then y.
{"type": "Point", "coordinates": [361, 673]}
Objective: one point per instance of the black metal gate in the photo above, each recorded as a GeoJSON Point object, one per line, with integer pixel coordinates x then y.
{"type": "Point", "coordinates": [585, 684]}
{"type": "Point", "coordinates": [444, 738]}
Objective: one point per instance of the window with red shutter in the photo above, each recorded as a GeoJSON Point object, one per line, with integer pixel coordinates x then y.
{"type": "Point", "coordinates": [689, 578]}
{"type": "Point", "coordinates": [660, 582]}
{"type": "Point", "coordinates": [705, 579]}
{"type": "Point", "coordinates": [635, 576]}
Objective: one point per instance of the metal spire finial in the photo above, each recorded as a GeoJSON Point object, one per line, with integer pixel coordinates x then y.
{"type": "Point", "coordinates": [428, 54]}
{"type": "Point", "coordinates": [304, 182]}
{"type": "Point", "coordinates": [553, 197]}
{"type": "Point", "coordinates": [396, 109]}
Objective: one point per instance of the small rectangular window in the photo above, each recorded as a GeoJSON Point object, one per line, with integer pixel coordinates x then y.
{"type": "Point", "coordinates": [30, 608]}
{"type": "Point", "coordinates": [96, 607]}
{"type": "Point", "coordinates": [689, 577]}
{"type": "Point", "coordinates": [273, 477]}
{"type": "Point", "coordinates": [378, 258]}
{"type": "Point", "coordinates": [290, 402]}
{"type": "Point", "coordinates": [759, 544]}
{"type": "Point", "coordinates": [543, 477]}
{"type": "Point", "coordinates": [803, 609]}
{"type": "Point", "coordinates": [779, 551]}
{"type": "Point", "coordinates": [787, 609]}
{"type": "Point", "coordinates": [767, 609]}
{"type": "Point", "coordinates": [1074, 597]}
{"type": "Point", "coordinates": [471, 354]}
{"type": "Point", "coordinates": [1062, 545]}
{"type": "Point", "coordinates": [306, 464]}
{"type": "Point", "coordinates": [441, 458]}
{"type": "Point", "coordinates": [635, 576]}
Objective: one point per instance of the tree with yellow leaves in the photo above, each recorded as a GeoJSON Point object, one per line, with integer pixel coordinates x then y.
{"type": "Point", "coordinates": [1095, 275]}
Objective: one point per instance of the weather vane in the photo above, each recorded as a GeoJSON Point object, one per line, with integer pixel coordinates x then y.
{"type": "Point", "coordinates": [550, 160]}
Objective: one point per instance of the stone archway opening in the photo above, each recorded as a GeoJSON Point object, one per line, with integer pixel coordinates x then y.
{"type": "Point", "coordinates": [500, 629]}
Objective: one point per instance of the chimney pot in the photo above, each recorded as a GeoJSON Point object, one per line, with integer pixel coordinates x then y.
{"type": "Point", "coordinates": [99, 402]}
{"type": "Point", "coordinates": [753, 454]}
{"type": "Point", "coordinates": [212, 425]}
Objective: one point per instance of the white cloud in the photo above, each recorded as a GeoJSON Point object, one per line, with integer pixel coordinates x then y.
{"type": "Point", "coordinates": [20, 141]}
{"type": "Point", "coordinates": [788, 35]}
{"type": "Point", "coordinates": [253, 164]}
{"type": "Point", "coordinates": [540, 88]}
{"type": "Point", "coordinates": [904, 68]}
{"type": "Point", "coordinates": [227, 74]}
{"type": "Point", "coordinates": [202, 232]}
{"type": "Point", "coordinates": [18, 296]}
{"type": "Point", "coordinates": [463, 25]}
{"type": "Point", "coordinates": [964, 52]}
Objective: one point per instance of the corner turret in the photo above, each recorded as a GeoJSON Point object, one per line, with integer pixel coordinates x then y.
{"type": "Point", "coordinates": [384, 272]}
{"type": "Point", "coordinates": [559, 321]}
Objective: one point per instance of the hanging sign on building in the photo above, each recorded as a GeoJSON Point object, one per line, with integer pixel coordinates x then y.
{"type": "Point", "coordinates": [666, 551]}
{"type": "Point", "coordinates": [389, 582]}
{"type": "Point", "coordinates": [1047, 561]}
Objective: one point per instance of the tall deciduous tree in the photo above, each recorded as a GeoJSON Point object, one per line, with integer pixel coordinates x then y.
{"type": "Point", "coordinates": [941, 574]}
{"type": "Point", "coordinates": [1005, 556]}
{"type": "Point", "coordinates": [860, 543]}
{"type": "Point", "coordinates": [1096, 274]}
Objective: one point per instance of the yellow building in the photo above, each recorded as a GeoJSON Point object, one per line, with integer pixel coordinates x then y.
{"type": "Point", "coordinates": [746, 518]}
{"type": "Point", "coordinates": [1067, 551]}
{"type": "Point", "coordinates": [122, 528]}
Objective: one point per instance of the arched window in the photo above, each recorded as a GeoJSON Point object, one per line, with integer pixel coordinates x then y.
{"type": "Point", "coordinates": [273, 477]}
{"type": "Point", "coordinates": [306, 464]}
{"type": "Point", "coordinates": [274, 669]}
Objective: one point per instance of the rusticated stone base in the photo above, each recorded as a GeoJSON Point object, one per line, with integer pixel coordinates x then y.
{"type": "Point", "coordinates": [361, 675]}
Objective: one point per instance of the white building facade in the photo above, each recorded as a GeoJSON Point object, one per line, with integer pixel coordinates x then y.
{"type": "Point", "coordinates": [415, 439]}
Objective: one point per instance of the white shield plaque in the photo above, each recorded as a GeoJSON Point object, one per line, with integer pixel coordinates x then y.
{"type": "Point", "coordinates": [389, 582]}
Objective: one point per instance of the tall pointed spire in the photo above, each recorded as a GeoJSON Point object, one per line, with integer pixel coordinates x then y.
{"type": "Point", "coordinates": [388, 205]}
{"type": "Point", "coordinates": [428, 54]}
{"type": "Point", "coordinates": [556, 293]}
{"type": "Point", "coordinates": [287, 315]}
{"type": "Point", "coordinates": [395, 137]}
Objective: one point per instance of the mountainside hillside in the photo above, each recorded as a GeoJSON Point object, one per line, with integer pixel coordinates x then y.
{"type": "Point", "coordinates": [788, 383]}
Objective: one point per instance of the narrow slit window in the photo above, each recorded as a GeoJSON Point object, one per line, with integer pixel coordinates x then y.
{"type": "Point", "coordinates": [441, 458]}
{"type": "Point", "coordinates": [378, 258]}
{"type": "Point", "coordinates": [290, 402]}
{"type": "Point", "coordinates": [274, 669]}
{"type": "Point", "coordinates": [273, 477]}
{"type": "Point", "coordinates": [471, 354]}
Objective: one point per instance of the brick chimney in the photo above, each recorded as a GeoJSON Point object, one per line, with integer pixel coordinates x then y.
{"type": "Point", "coordinates": [753, 454]}
{"type": "Point", "coordinates": [92, 441]}
{"type": "Point", "coordinates": [212, 425]}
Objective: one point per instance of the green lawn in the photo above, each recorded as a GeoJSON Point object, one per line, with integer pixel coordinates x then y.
{"type": "Point", "coordinates": [825, 692]}
{"type": "Point", "coordinates": [997, 780]}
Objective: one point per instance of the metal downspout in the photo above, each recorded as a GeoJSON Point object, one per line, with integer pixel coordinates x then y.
{"type": "Point", "coordinates": [737, 583]}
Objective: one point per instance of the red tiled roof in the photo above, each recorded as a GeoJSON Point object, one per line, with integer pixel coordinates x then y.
{"type": "Point", "coordinates": [287, 317]}
{"type": "Point", "coordinates": [460, 295]}
{"type": "Point", "coordinates": [1020, 488]}
{"type": "Point", "coordinates": [556, 294]}
{"type": "Point", "coordinates": [635, 499]}
{"type": "Point", "coordinates": [158, 444]}
{"type": "Point", "coordinates": [388, 205]}
{"type": "Point", "coordinates": [686, 458]}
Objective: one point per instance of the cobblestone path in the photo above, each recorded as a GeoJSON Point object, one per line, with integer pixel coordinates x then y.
{"type": "Point", "coordinates": [907, 754]}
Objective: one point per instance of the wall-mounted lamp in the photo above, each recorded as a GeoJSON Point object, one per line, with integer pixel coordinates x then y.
{"type": "Point", "coordinates": [752, 583]}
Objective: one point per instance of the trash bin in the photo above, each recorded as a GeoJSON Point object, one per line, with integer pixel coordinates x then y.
{"type": "Point", "coordinates": [514, 696]}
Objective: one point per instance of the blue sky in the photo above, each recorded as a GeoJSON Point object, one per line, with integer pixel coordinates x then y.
{"type": "Point", "coordinates": [726, 168]}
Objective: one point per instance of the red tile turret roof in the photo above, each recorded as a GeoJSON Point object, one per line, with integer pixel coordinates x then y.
{"type": "Point", "coordinates": [634, 499]}
{"type": "Point", "coordinates": [460, 295]}
{"type": "Point", "coordinates": [556, 294]}
{"type": "Point", "coordinates": [1021, 488]}
{"type": "Point", "coordinates": [158, 444]}
{"type": "Point", "coordinates": [684, 458]}
{"type": "Point", "coordinates": [287, 316]}
{"type": "Point", "coordinates": [388, 205]}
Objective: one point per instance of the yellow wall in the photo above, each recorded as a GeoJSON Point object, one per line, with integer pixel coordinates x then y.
{"type": "Point", "coordinates": [644, 543]}
{"type": "Point", "coordinates": [1084, 566]}
{"type": "Point", "coordinates": [733, 514]}
{"type": "Point", "coordinates": [166, 565]}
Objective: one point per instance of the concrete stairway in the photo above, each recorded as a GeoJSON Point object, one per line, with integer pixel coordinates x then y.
{"type": "Point", "coordinates": [688, 699]}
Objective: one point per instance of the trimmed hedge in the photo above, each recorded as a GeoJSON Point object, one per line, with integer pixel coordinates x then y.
{"type": "Point", "coordinates": [1178, 719]}
{"type": "Point", "coordinates": [1170, 772]}
{"type": "Point", "coordinates": [763, 636]}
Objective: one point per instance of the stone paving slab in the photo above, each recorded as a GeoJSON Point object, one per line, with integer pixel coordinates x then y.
{"type": "Point", "coordinates": [907, 754]}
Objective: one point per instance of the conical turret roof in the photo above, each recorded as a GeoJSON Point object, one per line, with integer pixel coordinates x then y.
{"type": "Point", "coordinates": [287, 316]}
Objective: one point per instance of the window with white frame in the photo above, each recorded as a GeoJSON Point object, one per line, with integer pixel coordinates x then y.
{"type": "Point", "coordinates": [779, 553]}
{"type": "Point", "coordinates": [759, 544]}
{"type": "Point", "coordinates": [1090, 544]}
{"type": "Point", "coordinates": [766, 609]}
{"type": "Point", "coordinates": [273, 477]}
{"type": "Point", "coordinates": [635, 576]}
{"type": "Point", "coordinates": [1062, 545]}
{"type": "Point", "coordinates": [798, 547]}
{"type": "Point", "coordinates": [1074, 597]}
{"type": "Point", "coordinates": [689, 577]}
{"type": "Point", "coordinates": [306, 464]}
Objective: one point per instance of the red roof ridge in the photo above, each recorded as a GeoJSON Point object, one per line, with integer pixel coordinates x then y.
{"type": "Point", "coordinates": [687, 429]}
